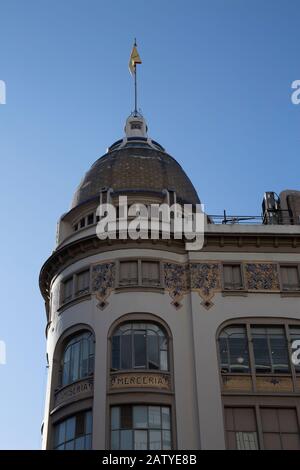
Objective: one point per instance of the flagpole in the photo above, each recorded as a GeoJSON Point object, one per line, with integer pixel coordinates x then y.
{"type": "Point", "coordinates": [135, 92]}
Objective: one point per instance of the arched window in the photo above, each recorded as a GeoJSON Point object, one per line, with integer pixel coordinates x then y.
{"type": "Point", "coordinates": [271, 346]}
{"type": "Point", "coordinates": [78, 358]}
{"type": "Point", "coordinates": [139, 345]}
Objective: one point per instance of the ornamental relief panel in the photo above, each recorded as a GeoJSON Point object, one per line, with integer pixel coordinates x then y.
{"type": "Point", "coordinates": [205, 278]}
{"type": "Point", "coordinates": [261, 276]}
{"type": "Point", "coordinates": [103, 282]}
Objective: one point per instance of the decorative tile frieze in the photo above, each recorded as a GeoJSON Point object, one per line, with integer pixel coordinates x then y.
{"type": "Point", "coordinates": [262, 276]}
{"type": "Point", "coordinates": [179, 279]}
{"type": "Point", "coordinates": [206, 280]}
{"type": "Point", "coordinates": [176, 280]}
{"type": "Point", "coordinates": [103, 282]}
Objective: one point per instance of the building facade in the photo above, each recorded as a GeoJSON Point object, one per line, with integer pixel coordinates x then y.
{"type": "Point", "coordinates": [151, 346]}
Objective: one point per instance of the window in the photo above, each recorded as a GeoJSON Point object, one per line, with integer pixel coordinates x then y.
{"type": "Point", "coordinates": [271, 346]}
{"type": "Point", "coordinates": [74, 433]}
{"type": "Point", "coordinates": [140, 427]}
{"type": "Point", "coordinates": [90, 219]}
{"type": "Point", "coordinates": [139, 346]}
{"type": "Point", "coordinates": [270, 350]}
{"type": "Point", "coordinates": [150, 273]}
{"type": "Point", "coordinates": [83, 282]}
{"type": "Point", "coordinates": [128, 273]}
{"type": "Point", "coordinates": [140, 272]}
{"type": "Point", "coordinates": [82, 222]}
{"type": "Point", "coordinates": [290, 278]}
{"type": "Point", "coordinates": [241, 429]}
{"type": "Point", "coordinates": [280, 428]}
{"type": "Point", "coordinates": [78, 358]}
{"type": "Point", "coordinates": [232, 276]}
{"type": "Point", "coordinates": [136, 125]}
{"type": "Point", "coordinates": [67, 293]}
{"type": "Point", "coordinates": [233, 348]}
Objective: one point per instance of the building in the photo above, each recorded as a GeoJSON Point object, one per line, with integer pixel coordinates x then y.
{"type": "Point", "coordinates": [151, 346]}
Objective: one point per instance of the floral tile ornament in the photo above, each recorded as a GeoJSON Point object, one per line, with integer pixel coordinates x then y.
{"type": "Point", "coordinates": [103, 282]}
{"type": "Point", "coordinates": [206, 280]}
{"type": "Point", "coordinates": [262, 276]}
{"type": "Point", "coordinates": [176, 279]}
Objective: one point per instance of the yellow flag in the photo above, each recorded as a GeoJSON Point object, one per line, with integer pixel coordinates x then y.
{"type": "Point", "coordinates": [134, 59]}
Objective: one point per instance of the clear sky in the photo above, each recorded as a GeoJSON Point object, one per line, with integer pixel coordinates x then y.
{"type": "Point", "coordinates": [215, 87]}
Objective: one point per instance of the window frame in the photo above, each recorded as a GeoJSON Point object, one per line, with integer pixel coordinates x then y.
{"type": "Point", "coordinates": [140, 284]}
{"type": "Point", "coordinates": [90, 357]}
{"type": "Point", "coordinates": [248, 323]}
{"type": "Point", "coordinates": [146, 428]}
{"type": "Point", "coordinates": [288, 265]}
{"type": "Point", "coordinates": [231, 289]}
{"type": "Point", "coordinates": [75, 294]}
{"type": "Point", "coordinates": [133, 367]}
{"type": "Point", "coordinates": [75, 415]}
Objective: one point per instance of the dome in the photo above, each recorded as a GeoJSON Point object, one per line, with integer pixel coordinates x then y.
{"type": "Point", "coordinates": [136, 163]}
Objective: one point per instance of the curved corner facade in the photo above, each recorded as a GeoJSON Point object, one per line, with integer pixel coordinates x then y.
{"type": "Point", "coordinates": [153, 347]}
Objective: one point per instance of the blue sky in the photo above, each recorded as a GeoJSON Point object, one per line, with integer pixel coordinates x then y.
{"type": "Point", "coordinates": [214, 86]}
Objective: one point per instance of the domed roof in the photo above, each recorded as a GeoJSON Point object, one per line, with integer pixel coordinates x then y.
{"type": "Point", "coordinates": [136, 164]}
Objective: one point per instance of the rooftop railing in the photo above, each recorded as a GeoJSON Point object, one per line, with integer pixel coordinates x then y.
{"type": "Point", "coordinates": [275, 217]}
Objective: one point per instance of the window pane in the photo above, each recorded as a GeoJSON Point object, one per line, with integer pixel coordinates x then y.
{"type": "Point", "coordinates": [75, 361]}
{"type": "Point", "coordinates": [126, 417]}
{"type": "Point", "coordinates": [70, 429]}
{"type": "Point", "coordinates": [88, 442]}
{"type": "Point", "coordinates": [153, 351]}
{"type": "Point", "coordinates": [154, 440]}
{"type": "Point", "coordinates": [247, 441]}
{"type": "Point", "coordinates": [115, 417]}
{"type": "Point", "coordinates": [140, 419]}
{"type": "Point", "coordinates": [115, 443]}
{"type": "Point", "coordinates": [279, 353]}
{"type": "Point", "coordinates": [261, 354]}
{"type": "Point", "coordinates": [140, 349]}
{"type": "Point", "coordinates": [128, 273]}
{"type": "Point", "coordinates": [84, 360]}
{"type": "Point", "coordinates": [60, 433]}
{"type": "Point", "coordinates": [238, 353]}
{"type": "Point", "coordinates": [166, 421]}
{"type": "Point", "coordinates": [88, 422]}
{"type": "Point", "coordinates": [80, 424]}
{"type": "Point", "coordinates": [79, 443]}
{"type": "Point", "coordinates": [83, 281]}
{"type": "Point", "coordinates": [150, 273]}
{"type": "Point", "coordinates": [163, 360]}
{"type": "Point", "coordinates": [232, 276]}
{"type": "Point", "coordinates": [233, 348]}
{"type": "Point", "coordinates": [290, 277]}
{"type": "Point", "coordinates": [154, 417]}
{"type": "Point", "coordinates": [115, 352]}
{"type": "Point", "coordinates": [270, 349]}
{"type": "Point", "coordinates": [66, 367]}
{"type": "Point", "coordinates": [126, 352]}
{"type": "Point", "coordinates": [224, 358]}
{"type": "Point", "coordinates": [166, 437]}
{"type": "Point", "coordinates": [140, 440]}
{"type": "Point", "coordinates": [67, 289]}
{"type": "Point", "coordinates": [126, 440]}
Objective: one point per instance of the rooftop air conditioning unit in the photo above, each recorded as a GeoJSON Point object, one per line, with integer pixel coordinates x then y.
{"type": "Point", "coordinates": [270, 208]}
